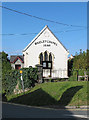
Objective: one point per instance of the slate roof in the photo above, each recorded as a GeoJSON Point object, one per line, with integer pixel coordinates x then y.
{"type": "Point", "coordinates": [14, 57]}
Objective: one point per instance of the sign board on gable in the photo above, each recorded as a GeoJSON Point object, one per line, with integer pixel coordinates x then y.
{"type": "Point", "coordinates": [46, 43]}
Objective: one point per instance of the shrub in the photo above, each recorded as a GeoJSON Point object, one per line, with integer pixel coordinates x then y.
{"type": "Point", "coordinates": [72, 78]}
{"type": "Point", "coordinates": [10, 81]}
{"type": "Point", "coordinates": [82, 78]}
{"type": "Point", "coordinates": [77, 72]}
{"type": "Point", "coordinates": [29, 76]}
{"type": "Point", "coordinates": [12, 78]}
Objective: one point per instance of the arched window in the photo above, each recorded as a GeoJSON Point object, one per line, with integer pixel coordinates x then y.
{"type": "Point", "coordinates": [41, 58]}
{"type": "Point", "coordinates": [50, 57]}
{"type": "Point", "coordinates": [46, 60]}
{"type": "Point", "coordinates": [45, 56]}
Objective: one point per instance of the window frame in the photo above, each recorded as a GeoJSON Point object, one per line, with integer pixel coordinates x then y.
{"type": "Point", "coordinates": [47, 62]}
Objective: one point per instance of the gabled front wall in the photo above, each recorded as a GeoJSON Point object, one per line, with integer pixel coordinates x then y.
{"type": "Point", "coordinates": [16, 63]}
{"type": "Point", "coordinates": [31, 55]}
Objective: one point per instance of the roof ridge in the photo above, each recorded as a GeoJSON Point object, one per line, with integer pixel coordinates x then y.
{"type": "Point", "coordinates": [35, 38]}
{"type": "Point", "coordinates": [40, 34]}
{"type": "Point", "coordinates": [13, 58]}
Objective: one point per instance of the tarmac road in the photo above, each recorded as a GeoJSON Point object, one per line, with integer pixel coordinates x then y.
{"type": "Point", "coordinates": [10, 110]}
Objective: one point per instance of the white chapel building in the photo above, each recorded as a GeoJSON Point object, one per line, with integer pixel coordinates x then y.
{"type": "Point", "coordinates": [45, 49]}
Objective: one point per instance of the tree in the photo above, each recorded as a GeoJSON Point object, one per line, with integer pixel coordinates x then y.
{"type": "Point", "coordinates": [80, 61]}
{"type": "Point", "coordinates": [87, 59]}
{"type": "Point", "coordinates": [79, 64]}
{"type": "Point", "coordinates": [5, 63]}
{"type": "Point", "coordinates": [6, 66]}
{"type": "Point", "coordinates": [70, 66]}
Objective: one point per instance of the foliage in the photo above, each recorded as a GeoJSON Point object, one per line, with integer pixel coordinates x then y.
{"type": "Point", "coordinates": [10, 81]}
{"type": "Point", "coordinates": [29, 76]}
{"type": "Point", "coordinates": [72, 78]}
{"type": "Point", "coordinates": [80, 61]}
{"type": "Point", "coordinates": [6, 66]}
{"type": "Point", "coordinates": [10, 78]}
{"type": "Point", "coordinates": [78, 65]}
{"type": "Point", "coordinates": [70, 66]}
{"type": "Point", "coordinates": [13, 77]}
{"type": "Point", "coordinates": [5, 63]}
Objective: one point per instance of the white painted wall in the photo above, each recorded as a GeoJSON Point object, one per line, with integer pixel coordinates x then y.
{"type": "Point", "coordinates": [16, 63]}
{"type": "Point", "coordinates": [31, 55]}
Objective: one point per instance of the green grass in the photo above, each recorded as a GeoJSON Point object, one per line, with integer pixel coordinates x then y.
{"type": "Point", "coordinates": [72, 93]}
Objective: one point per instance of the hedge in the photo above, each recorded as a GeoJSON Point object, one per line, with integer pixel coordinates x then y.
{"type": "Point", "coordinates": [13, 77]}
{"type": "Point", "coordinates": [79, 72]}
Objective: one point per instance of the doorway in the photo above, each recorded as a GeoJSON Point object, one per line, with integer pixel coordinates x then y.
{"type": "Point", "coordinates": [17, 67]}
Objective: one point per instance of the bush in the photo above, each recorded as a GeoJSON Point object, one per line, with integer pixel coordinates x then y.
{"type": "Point", "coordinates": [29, 76]}
{"type": "Point", "coordinates": [82, 78]}
{"type": "Point", "coordinates": [12, 78]}
{"type": "Point", "coordinates": [77, 72]}
{"type": "Point", "coordinates": [72, 78]}
{"type": "Point", "coordinates": [10, 81]}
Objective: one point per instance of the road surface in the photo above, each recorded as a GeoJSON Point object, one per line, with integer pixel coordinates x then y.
{"type": "Point", "coordinates": [21, 111]}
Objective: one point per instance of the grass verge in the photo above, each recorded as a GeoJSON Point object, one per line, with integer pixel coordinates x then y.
{"type": "Point", "coordinates": [72, 93]}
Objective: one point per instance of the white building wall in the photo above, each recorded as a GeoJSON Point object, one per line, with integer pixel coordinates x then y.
{"type": "Point", "coordinates": [31, 55]}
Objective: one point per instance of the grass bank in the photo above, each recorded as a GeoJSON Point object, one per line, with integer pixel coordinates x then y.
{"type": "Point", "coordinates": [54, 93]}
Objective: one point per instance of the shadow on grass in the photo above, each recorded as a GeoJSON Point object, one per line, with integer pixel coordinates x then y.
{"type": "Point", "coordinates": [68, 95]}
{"type": "Point", "coordinates": [41, 98]}
{"type": "Point", "coordinates": [36, 98]}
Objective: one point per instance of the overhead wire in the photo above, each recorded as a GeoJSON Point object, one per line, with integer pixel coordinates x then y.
{"type": "Point", "coordinates": [11, 34]}
{"type": "Point", "coordinates": [40, 17]}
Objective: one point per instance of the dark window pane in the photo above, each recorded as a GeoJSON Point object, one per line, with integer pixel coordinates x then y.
{"type": "Point", "coordinates": [50, 57]}
{"type": "Point", "coordinates": [41, 58]}
{"type": "Point", "coordinates": [45, 56]}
